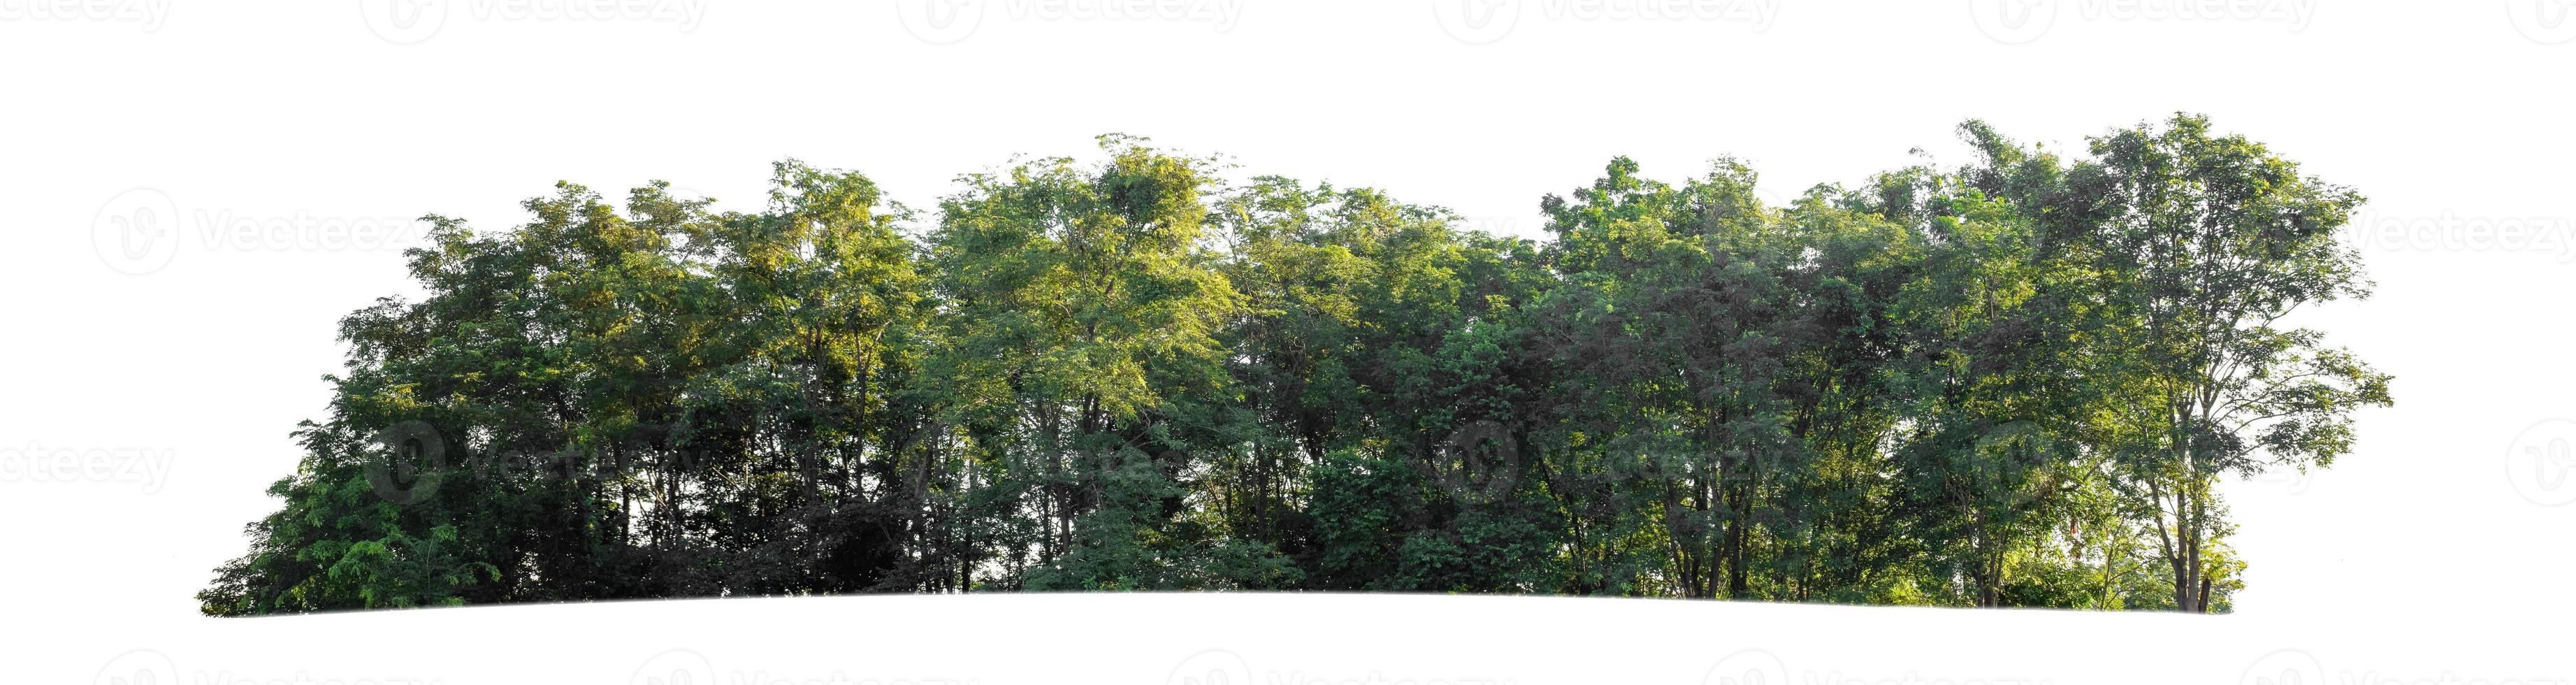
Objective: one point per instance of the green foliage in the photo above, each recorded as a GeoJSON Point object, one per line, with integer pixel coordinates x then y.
{"type": "Point", "coordinates": [2013, 383]}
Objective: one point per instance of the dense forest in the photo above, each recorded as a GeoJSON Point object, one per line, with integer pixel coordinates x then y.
{"type": "Point", "coordinates": [2012, 382]}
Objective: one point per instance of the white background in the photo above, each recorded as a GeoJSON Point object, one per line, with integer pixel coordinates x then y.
{"type": "Point", "coordinates": [231, 146]}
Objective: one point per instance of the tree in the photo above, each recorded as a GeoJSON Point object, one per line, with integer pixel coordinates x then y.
{"type": "Point", "coordinates": [2217, 240]}
{"type": "Point", "coordinates": [2014, 382]}
{"type": "Point", "coordinates": [1082, 318]}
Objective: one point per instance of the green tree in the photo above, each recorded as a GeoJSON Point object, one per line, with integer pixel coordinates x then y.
{"type": "Point", "coordinates": [2014, 382]}
{"type": "Point", "coordinates": [2216, 241]}
{"type": "Point", "coordinates": [1081, 321]}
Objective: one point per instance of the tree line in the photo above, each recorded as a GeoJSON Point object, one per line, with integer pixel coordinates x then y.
{"type": "Point", "coordinates": [2014, 382]}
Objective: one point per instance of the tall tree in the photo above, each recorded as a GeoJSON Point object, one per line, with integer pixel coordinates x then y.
{"type": "Point", "coordinates": [2216, 241]}
{"type": "Point", "coordinates": [1082, 321]}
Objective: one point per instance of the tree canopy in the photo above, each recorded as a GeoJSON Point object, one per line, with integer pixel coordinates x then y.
{"type": "Point", "coordinates": [2014, 382]}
